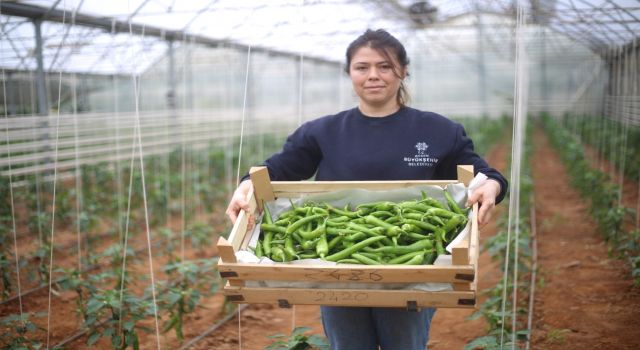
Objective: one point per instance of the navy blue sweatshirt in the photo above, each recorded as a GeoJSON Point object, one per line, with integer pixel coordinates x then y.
{"type": "Point", "coordinates": [407, 145]}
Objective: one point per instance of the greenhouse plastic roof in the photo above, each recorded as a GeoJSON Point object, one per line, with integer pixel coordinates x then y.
{"type": "Point", "coordinates": [92, 36]}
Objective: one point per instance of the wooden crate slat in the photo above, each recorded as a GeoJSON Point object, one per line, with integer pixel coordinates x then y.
{"type": "Point", "coordinates": [350, 297]}
{"type": "Point", "coordinates": [346, 273]}
{"type": "Point", "coordinates": [280, 188]}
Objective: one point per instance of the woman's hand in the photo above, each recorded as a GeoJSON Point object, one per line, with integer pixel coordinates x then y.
{"type": "Point", "coordinates": [239, 202]}
{"type": "Point", "coordinates": [485, 195]}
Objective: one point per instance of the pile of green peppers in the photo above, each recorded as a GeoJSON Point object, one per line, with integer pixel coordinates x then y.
{"type": "Point", "coordinates": [412, 232]}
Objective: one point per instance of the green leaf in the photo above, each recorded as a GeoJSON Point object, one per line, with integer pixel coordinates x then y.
{"type": "Point", "coordinates": [116, 340]}
{"type": "Point", "coordinates": [128, 325]}
{"type": "Point", "coordinates": [93, 338]}
{"type": "Point", "coordinates": [300, 330]}
{"type": "Point", "coordinates": [485, 343]}
{"type": "Point", "coordinates": [108, 332]}
{"type": "Point", "coordinates": [94, 305]}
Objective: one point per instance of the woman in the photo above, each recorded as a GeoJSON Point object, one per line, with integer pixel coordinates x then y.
{"type": "Point", "coordinates": [381, 139]}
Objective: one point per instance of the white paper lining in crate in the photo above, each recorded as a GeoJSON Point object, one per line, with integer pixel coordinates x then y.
{"type": "Point", "coordinates": [354, 197]}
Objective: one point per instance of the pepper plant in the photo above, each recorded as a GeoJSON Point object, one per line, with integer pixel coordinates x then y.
{"type": "Point", "coordinates": [194, 278]}
{"type": "Point", "coordinates": [108, 317]}
{"type": "Point", "coordinates": [298, 341]}
{"type": "Point", "coordinates": [115, 256]}
{"type": "Point", "coordinates": [72, 279]}
{"type": "Point", "coordinates": [17, 332]}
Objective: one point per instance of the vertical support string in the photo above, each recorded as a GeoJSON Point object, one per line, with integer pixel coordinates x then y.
{"type": "Point", "coordinates": [13, 215]}
{"type": "Point", "coordinates": [55, 181]}
{"type": "Point", "coordinates": [244, 108]}
{"type": "Point", "coordinates": [519, 123]}
{"type": "Point", "coordinates": [138, 127]}
{"type": "Point", "coordinates": [78, 171]}
{"type": "Point", "coordinates": [183, 163]}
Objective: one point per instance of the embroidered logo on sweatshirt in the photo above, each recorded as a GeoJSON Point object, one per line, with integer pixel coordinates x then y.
{"type": "Point", "coordinates": [421, 158]}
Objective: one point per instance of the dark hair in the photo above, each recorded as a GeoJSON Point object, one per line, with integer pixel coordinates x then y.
{"type": "Point", "coordinates": [383, 42]}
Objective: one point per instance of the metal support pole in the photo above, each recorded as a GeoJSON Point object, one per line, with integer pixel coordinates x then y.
{"type": "Point", "coordinates": [188, 66]}
{"type": "Point", "coordinates": [171, 89]}
{"type": "Point", "coordinates": [11, 104]}
{"type": "Point", "coordinates": [482, 69]}
{"type": "Point", "coordinates": [41, 92]}
{"type": "Point", "coordinates": [543, 67]}
{"type": "Point", "coordinates": [41, 88]}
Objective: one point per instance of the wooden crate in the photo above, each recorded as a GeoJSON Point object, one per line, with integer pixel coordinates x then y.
{"type": "Point", "coordinates": [461, 274]}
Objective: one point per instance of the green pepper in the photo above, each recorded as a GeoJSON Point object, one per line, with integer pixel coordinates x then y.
{"type": "Point", "coordinates": [266, 216]}
{"type": "Point", "coordinates": [439, 234]}
{"type": "Point", "coordinates": [433, 203]}
{"type": "Point", "coordinates": [390, 229]}
{"type": "Point", "coordinates": [320, 230]}
{"type": "Point", "coordinates": [430, 257]}
{"type": "Point", "coordinates": [453, 206]}
{"type": "Point", "coordinates": [413, 205]}
{"type": "Point", "coordinates": [382, 214]}
{"type": "Point", "coordinates": [277, 254]}
{"type": "Point", "coordinates": [266, 243]}
{"type": "Point", "coordinates": [288, 246]}
{"type": "Point", "coordinates": [405, 257]}
{"type": "Point", "coordinates": [453, 223]}
{"type": "Point", "coordinates": [355, 236]}
{"type": "Point", "coordinates": [349, 261]}
{"type": "Point", "coordinates": [421, 224]}
{"type": "Point", "coordinates": [347, 213]}
{"type": "Point", "coordinates": [443, 213]}
{"type": "Point", "coordinates": [434, 219]}
{"type": "Point", "coordinates": [365, 260]}
{"type": "Point", "coordinates": [376, 206]}
{"type": "Point", "coordinates": [419, 245]}
{"type": "Point", "coordinates": [322, 247]}
{"type": "Point", "coordinates": [416, 260]}
{"type": "Point", "coordinates": [307, 219]}
{"type": "Point", "coordinates": [340, 231]}
{"type": "Point", "coordinates": [337, 221]}
{"type": "Point", "coordinates": [335, 241]}
{"type": "Point", "coordinates": [258, 251]}
{"type": "Point", "coordinates": [350, 250]}
{"type": "Point", "coordinates": [308, 255]}
{"type": "Point", "coordinates": [372, 232]}
{"type": "Point", "coordinates": [272, 228]}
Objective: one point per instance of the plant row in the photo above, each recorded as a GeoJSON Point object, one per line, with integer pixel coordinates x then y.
{"type": "Point", "coordinates": [113, 302]}
{"type": "Point", "coordinates": [178, 185]}
{"type": "Point", "coordinates": [614, 139]}
{"type": "Point", "coordinates": [602, 193]}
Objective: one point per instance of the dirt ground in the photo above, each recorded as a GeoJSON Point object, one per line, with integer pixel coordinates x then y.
{"type": "Point", "coordinates": [584, 299]}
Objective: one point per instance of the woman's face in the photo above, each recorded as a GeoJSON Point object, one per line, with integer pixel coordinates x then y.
{"type": "Point", "coordinates": [374, 79]}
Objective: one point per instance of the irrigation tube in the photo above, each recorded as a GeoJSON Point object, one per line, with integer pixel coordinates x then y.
{"type": "Point", "coordinates": [213, 328]}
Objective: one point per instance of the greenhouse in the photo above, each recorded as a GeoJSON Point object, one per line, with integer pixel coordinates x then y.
{"type": "Point", "coordinates": [223, 174]}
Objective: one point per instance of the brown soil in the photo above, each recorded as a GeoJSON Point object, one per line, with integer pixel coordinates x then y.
{"type": "Point", "coordinates": [65, 322]}
{"type": "Point", "coordinates": [584, 299]}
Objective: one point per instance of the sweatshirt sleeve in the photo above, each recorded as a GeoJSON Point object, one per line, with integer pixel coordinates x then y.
{"type": "Point", "coordinates": [463, 154]}
{"type": "Point", "coordinates": [298, 159]}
